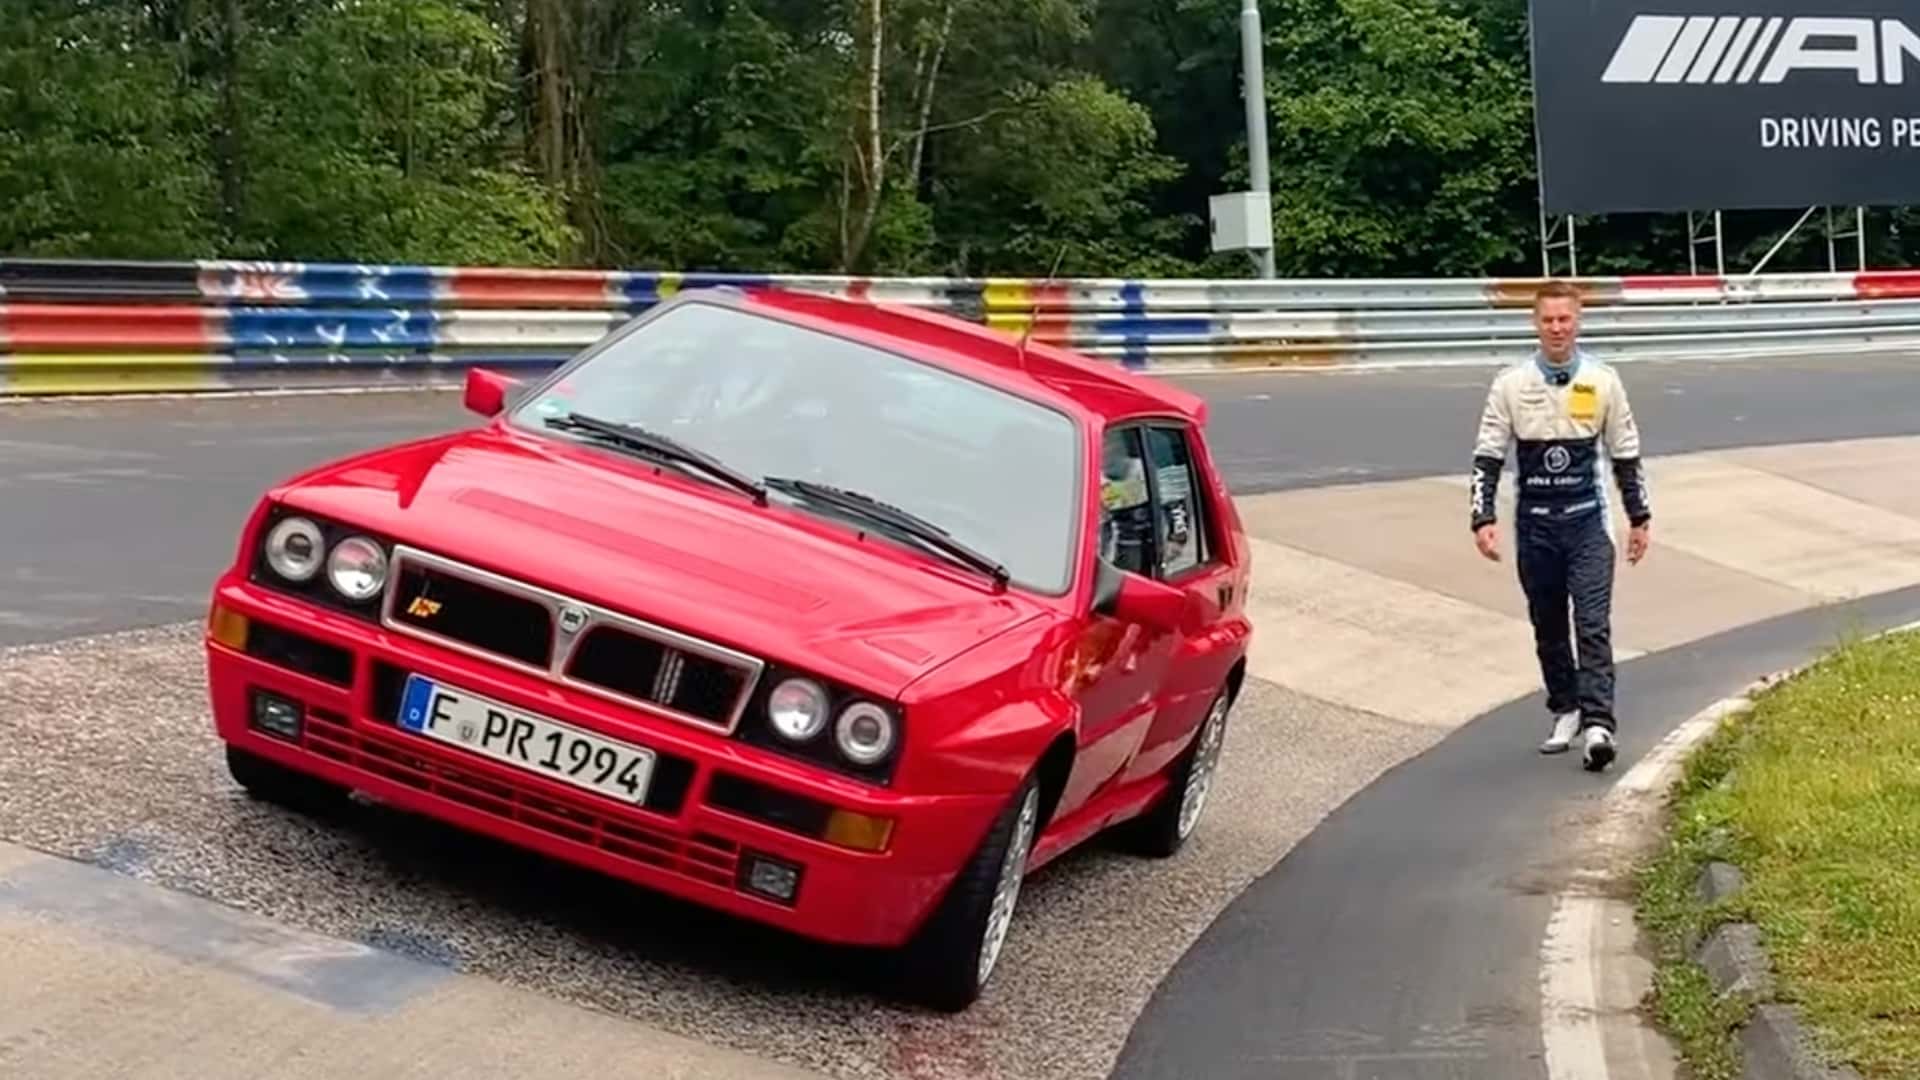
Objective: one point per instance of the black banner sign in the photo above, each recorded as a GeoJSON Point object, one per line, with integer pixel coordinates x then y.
{"type": "Point", "coordinates": [1673, 105]}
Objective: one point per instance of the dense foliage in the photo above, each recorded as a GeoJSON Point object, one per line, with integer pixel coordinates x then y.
{"type": "Point", "coordinates": [966, 137]}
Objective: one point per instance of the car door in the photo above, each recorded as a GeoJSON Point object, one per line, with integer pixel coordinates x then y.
{"type": "Point", "coordinates": [1119, 666]}
{"type": "Point", "coordinates": [1193, 553]}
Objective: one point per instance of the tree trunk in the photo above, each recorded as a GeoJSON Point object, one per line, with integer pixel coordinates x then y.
{"type": "Point", "coordinates": [873, 166]}
{"type": "Point", "coordinates": [545, 22]}
{"type": "Point", "coordinates": [228, 150]}
{"type": "Point", "coordinates": [926, 95]}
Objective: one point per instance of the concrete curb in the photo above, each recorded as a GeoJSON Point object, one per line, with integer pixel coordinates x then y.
{"type": "Point", "coordinates": [1773, 1043]}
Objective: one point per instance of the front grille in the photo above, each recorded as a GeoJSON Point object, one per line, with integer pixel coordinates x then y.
{"type": "Point", "coordinates": [474, 614]}
{"type": "Point", "coordinates": [571, 641]}
{"type": "Point", "coordinates": [648, 670]}
{"type": "Point", "coordinates": [708, 859]}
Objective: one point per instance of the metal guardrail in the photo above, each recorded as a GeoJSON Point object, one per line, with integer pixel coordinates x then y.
{"type": "Point", "coordinates": [88, 327]}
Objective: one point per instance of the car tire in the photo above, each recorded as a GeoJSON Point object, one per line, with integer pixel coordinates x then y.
{"type": "Point", "coordinates": [270, 781]}
{"type": "Point", "coordinates": [950, 961]}
{"type": "Point", "coordinates": [1162, 831]}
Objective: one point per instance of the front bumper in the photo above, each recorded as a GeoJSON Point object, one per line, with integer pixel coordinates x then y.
{"type": "Point", "coordinates": [716, 809]}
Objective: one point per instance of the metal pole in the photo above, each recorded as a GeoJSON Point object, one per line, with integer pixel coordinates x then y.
{"type": "Point", "coordinates": [1255, 91]}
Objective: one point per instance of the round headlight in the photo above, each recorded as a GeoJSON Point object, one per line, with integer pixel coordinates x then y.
{"type": "Point", "coordinates": [865, 733]}
{"type": "Point", "coordinates": [295, 549]}
{"type": "Point", "coordinates": [357, 568]}
{"type": "Point", "coordinates": [798, 709]}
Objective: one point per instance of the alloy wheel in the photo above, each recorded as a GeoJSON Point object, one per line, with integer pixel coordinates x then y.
{"type": "Point", "coordinates": [1206, 758]}
{"type": "Point", "coordinates": [1013, 867]}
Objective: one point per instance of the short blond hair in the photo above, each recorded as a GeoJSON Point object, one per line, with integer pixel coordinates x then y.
{"type": "Point", "coordinates": [1557, 290]}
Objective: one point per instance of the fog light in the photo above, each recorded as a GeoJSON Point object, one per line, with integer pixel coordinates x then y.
{"type": "Point", "coordinates": [772, 878]}
{"type": "Point", "coordinates": [276, 715]}
{"type": "Point", "coordinates": [859, 831]}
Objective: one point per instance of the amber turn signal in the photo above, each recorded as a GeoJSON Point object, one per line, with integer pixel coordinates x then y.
{"type": "Point", "coordinates": [859, 831]}
{"type": "Point", "coordinates": [228, 627]}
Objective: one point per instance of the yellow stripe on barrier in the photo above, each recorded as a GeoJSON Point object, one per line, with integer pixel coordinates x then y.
{"type": "Point", "coordinates": [668, 284]}
{"type": "Point", "coordinates": [1008, 303]}
{"type": "Point", "coordinates": [76, 373]}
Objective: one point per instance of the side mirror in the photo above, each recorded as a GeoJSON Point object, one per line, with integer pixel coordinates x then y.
{"type": "Point", "coordinates": [486, 391]}
{"type": "Point", "coordinates": [1132, 598]}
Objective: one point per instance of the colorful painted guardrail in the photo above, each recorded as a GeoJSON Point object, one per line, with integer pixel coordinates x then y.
{"type": "Point", "coordinates": [89, 327]}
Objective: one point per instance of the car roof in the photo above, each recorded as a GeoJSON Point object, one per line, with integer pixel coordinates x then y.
{"type": "Point", "coordinates": [1103, 390]}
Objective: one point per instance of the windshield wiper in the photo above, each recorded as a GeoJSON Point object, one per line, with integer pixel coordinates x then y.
{"type": "Point", "coordinates": [874, 510]}
{"type": "Point", "coordinates": [638, 438]}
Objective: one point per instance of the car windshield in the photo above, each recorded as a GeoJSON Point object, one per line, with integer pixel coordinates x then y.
{"type": "Point", "coordinates": [768, 398]}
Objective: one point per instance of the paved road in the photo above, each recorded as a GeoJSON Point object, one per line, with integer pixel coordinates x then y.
{"type": "Point", "coordinates": [120, 514]}
{"type": "Point", "coordinates": [1398, 940]}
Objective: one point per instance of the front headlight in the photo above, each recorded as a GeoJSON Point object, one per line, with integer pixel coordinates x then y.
{"type": "Point", "coordinates": [357, 568]}
{"type": "Point", "coordinates": [798, 709]}
{"type": "Point", "coordinates": [865, 733]}
{"type": "Point", "coordinates": [295, 549]}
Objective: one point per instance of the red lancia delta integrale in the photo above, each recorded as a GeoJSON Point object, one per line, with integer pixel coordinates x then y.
{"type": "Point", "coordinates": [828, 614]}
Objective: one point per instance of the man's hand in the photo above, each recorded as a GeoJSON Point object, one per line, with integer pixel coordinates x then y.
{"type": "Point", "coordinates": [1637, 541]}
{"type": "Point", "coordinates": [1487, 539]}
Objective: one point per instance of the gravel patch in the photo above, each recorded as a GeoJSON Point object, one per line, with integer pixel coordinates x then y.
{"type": "Point", "coordinates": [110, 758]}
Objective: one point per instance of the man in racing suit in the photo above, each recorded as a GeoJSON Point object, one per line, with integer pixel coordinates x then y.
{"type": "Point", "coordinates": [1567, 416]}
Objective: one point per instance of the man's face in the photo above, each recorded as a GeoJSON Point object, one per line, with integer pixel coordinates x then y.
{"type": "Point", "coordinates": [1557, 321]}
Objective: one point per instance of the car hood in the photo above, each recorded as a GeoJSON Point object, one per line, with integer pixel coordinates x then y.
{"type": "Point", "coordinates": [765, 580]}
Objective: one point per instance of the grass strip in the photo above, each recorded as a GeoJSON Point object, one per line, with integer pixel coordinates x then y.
{"type": "Point", "coordinates": [1815, 796]}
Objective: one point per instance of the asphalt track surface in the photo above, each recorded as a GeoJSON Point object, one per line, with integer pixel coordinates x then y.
{"type": "Point", "coordinates": [1392, 925]}
{"type": "Point", "coordinates": [120, 514]}
{"type": "Point", "coordinates": [1383, 945]}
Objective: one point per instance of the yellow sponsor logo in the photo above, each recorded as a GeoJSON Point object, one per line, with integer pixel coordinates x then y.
{"type": "Point", "coordinates": [423, 608]}
{"type": "Point", "coordinates": [1583, 401]}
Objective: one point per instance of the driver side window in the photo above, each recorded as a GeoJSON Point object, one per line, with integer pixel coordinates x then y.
{"type": "Point", "coordinates": [1126, 511]}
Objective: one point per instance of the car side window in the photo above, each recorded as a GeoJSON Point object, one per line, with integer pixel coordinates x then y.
{"type": "Point", "coordinates": [1126, 511]}
{"type": "Point", "coordinates": [1179, 527]}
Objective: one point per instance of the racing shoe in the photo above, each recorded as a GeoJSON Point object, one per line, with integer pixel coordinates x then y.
{"type": "Point", "coordinates": [1599, 748]}
{"type": "Point", "coordinates": [1565, 727]}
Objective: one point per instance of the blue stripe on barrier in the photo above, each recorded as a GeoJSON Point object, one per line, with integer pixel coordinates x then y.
{"type": "Point", "coordinates": [738, 281]}
{"type": "Point", "coordinates": [1143, 328]}
{"type": "Point", "coordinates": [642, 290]}
{"type": "Point", "coordinates": [375, 284]}
{"type": "Point", "coordinates": [1134, 303]}
{"type": "Point", "coordinates": [331, 328]}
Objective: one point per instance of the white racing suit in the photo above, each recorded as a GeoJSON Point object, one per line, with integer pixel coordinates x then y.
{"type": "Point", "coordinates": [1569, 426]}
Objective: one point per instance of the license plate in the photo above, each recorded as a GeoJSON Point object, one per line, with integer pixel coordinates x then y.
{"type": "Point", "coordinates": [526, 741]}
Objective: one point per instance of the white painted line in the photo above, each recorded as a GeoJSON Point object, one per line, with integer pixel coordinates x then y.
{"type": "Point", "coordinates": [1569, 1002]}
{"type": "Point", "coordinates": [1570, 958]}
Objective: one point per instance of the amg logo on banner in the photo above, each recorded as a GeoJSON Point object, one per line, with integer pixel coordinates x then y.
{"type": "Point", "coordinates": [1729, 48]}
{"type": "Point", "coordinates": [1663, 106]}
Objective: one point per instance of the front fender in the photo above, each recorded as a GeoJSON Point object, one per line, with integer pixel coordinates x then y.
{"type": "Point", "coordinates": [990, 752]}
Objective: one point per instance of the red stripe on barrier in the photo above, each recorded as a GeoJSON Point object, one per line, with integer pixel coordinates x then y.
{"type": "Point", "coordinates": [858, 288]}
{"type": "Point", "coordinates": [1887, 285]}
{"type": "Point", "coordinates": [1663, 282]}
{"type": "Point", "coordinates": [1052, 320]}
{"type": "Point", "coordinates": [144, 328]}
{"type": "Point", "coordinates": [1519, 292]}
{"type": "Point", "coordinates": [534, 288]}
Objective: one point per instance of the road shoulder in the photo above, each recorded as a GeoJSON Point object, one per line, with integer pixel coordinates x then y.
{"type": "Point", "coordinates": [198, 989]}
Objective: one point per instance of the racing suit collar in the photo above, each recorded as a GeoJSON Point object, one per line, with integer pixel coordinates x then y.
{"type": "Point", "coordinates": [1572, 367]}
